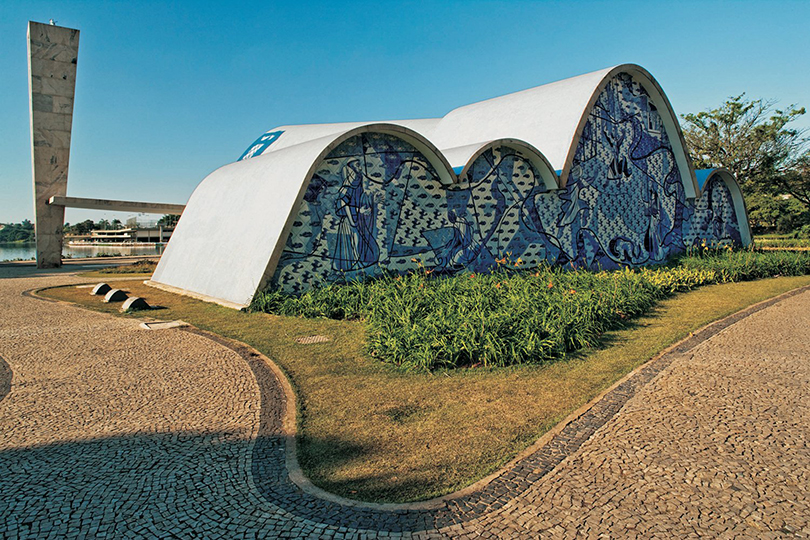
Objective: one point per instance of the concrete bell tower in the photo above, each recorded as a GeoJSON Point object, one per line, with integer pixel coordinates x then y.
{"type": "Point", "coordinates": [52, 57]}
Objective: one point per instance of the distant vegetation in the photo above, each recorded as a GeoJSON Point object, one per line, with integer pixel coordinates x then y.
{"type": "Point", "coordinates": [84, 227]}
{"type": "Point", "coordinates": [88, 225]}
{"type": "Point", "coordinates": [798, 240]}
{"type": "Point", "coordinates": [24, 231]}
{"type": "Point", "coordinates": [169, 220]}
{"type": "Point", "coordinates": [17, 232]}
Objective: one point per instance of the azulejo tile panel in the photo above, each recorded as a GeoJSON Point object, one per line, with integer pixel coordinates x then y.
{"type": "Point", "coordinates": [715, 219]}
{"type": "Point", "coordinates": [376, 204]}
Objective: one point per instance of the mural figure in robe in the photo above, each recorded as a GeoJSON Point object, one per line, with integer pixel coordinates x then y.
{"type": "Point", "coordinates": [656, 231]}
{"type": "Point", "coordinates": [715, 210]}
{"type": "Point", "coordinates": [355, 243]}
{"type": "Point", "coordinates": [461, 249]}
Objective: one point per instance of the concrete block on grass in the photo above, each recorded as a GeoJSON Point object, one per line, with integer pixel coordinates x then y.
{"type": "Point", "coordinates": [115, 295]}
{"type": "Point", "coordinates": [101, 288]}
{"type": "Point", "coordinates": [134, 304]}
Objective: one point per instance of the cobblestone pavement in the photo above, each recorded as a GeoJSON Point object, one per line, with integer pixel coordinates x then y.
{"type": "Point", "coordinates": [113, 431]}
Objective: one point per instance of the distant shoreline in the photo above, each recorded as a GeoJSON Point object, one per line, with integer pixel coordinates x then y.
{"type": "Point", "coordinates": [116, 244]}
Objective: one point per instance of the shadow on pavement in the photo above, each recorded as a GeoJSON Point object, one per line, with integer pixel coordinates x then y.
{"type": "Point", "coordinates": [5, 378]}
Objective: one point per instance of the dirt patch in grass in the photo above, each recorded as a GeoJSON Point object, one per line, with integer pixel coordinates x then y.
{"type": "Point", "coordinates": [372, 432]}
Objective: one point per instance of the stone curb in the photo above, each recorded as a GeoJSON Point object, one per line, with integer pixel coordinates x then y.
{"type": "Point", "coordinates": [89, 261]}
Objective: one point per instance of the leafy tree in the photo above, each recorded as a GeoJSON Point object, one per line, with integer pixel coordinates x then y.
{"type": "Point", "coordinates": [17, 232]}
{"type": "Point", "coordinates": [757, 143]}
{"type": "Point", "coordinates": [116, 224]}
{"type": "Point", "coordinates": [780, 213]}
{"type": "Point", "coordinates": [796, 181]}
{"type": "Point", "coordinates": [749, 137]}
{"type": "Point", "coordinates": [169, 220]}
{"type": "Point", "coordinates": [84, 227]}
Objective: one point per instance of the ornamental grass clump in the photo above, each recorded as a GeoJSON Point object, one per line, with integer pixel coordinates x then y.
{"type": "Point", "coordinates": [513, 316]}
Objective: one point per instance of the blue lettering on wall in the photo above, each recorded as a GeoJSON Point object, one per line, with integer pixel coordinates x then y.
{"type": "Point", "coordinates": [261, 144]}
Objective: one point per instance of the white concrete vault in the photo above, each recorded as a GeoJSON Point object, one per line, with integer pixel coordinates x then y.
{"type": "Point", "coordinates": [265, 192]}
{"type": "Point", "coordinates": [245, 226]}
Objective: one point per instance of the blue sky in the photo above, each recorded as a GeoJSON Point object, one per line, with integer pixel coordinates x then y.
{"type": "Point", "coordinates": [168, 92]}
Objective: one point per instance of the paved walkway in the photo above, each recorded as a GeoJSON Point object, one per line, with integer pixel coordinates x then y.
{"type": "Point", "coordinates": [109, 430]}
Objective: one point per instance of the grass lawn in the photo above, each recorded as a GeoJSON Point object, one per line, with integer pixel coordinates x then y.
{"type": "Point", "coordinates": [371, 431]}
{"type": "Point", "coordinates": [143, 269]}
{"type": "Point", "coordinates": [781, 241]}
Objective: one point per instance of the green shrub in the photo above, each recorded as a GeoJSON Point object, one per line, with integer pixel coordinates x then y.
{"type": "Point", "coordinates": [803, 233]}
{"type": "Point", "coordinates": [512, 317]}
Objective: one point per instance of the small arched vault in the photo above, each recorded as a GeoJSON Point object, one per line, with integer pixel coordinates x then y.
{"type": "Point", "coordinates": [720, 213]}
{"type": "Point", "coordinates": [587, 172]}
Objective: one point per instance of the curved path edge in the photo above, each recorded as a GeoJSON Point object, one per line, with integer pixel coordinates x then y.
{"type": "Point", "coordinates": [277, 476]}
{"type": "Point", "coordinates": [471, 502]}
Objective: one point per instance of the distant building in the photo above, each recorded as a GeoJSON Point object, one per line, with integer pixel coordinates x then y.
{"type": "Point", "coordinates": [155, 235]}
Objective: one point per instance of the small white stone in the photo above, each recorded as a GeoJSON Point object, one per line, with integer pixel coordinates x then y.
{"type": "Point", "coordinates": [135, 303]}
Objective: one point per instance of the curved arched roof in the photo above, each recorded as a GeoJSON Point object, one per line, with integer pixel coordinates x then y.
{"type": "Point", "coordinates": [469, 153]}
{"type": "Point", "coordinates": [260, 196]}
{"type": "Point", "coordinates": [549, 118]}
{"type": "Point", "coordinates": [298, 134]}
{"type": "Point", "coordinates": [261, 193]}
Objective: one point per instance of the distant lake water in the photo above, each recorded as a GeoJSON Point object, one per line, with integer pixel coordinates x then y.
{"type": "Point", "coordinates": [12, 252]}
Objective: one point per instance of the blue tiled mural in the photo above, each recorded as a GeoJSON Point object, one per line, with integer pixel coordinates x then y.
{"type": "Point", "coordinates": [624, 202]}
{"type": "Point", "coordinates": [375, 203]}
{"type": "Point", "coordinates": [498, 199]}
{"type": "Point", "coordinates": [715, 219]}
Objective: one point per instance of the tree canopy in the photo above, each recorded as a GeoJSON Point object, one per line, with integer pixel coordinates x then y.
{"type": "Point", "coordinates": [752, 138]}
{"type": "Point", "coordinates": [17, 232]}
{"type": "Point", "coordinates": [168, 220]}
{"type": "Point", "coordinates": [84, 227]}
{"type": "Point", "coordinates": [759, 144]}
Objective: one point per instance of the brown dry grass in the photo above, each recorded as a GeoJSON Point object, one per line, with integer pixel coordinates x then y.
{"type": "Point", "coordinates": [371, 432]}
{"type": "Point", "coordinates": [136, 269]}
